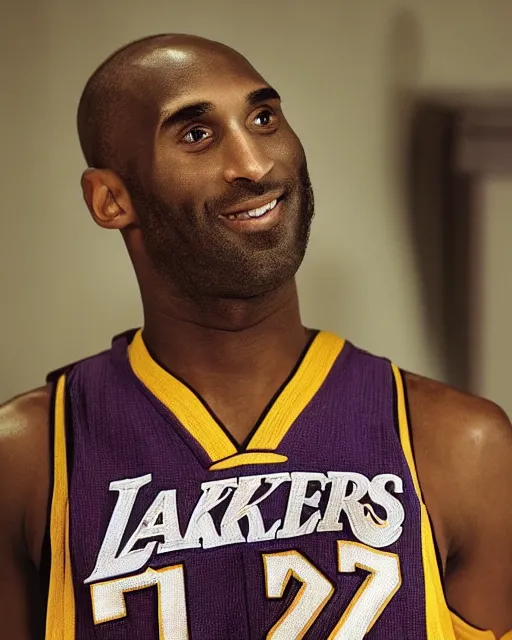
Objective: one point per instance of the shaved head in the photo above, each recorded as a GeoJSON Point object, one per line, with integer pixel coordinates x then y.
{"type": "Point", "coordinates": [188, 146]}
{"type": "Point", "coordinates": [115, 95]}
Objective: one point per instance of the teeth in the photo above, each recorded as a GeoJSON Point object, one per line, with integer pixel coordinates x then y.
{"type": "Point", "coordinates": [256, 213]}
{"type": "Point", "coordinates": [253, 213]}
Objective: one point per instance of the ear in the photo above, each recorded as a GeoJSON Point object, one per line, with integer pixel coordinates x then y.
{"type": "Point", "coordinates": [107, 199]}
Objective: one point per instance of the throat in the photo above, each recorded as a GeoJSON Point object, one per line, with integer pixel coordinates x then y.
{"type": "Point", "coordinates": [237, 374]}
{"type": "Point", "coordinates": [241, 398]}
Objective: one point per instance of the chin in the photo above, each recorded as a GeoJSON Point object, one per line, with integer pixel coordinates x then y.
{"type": "Point", "coordinates": [261, 280]}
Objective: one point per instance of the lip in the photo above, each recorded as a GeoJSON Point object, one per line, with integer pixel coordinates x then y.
{"type": "Point", "coordinates": [255, 203]}
{"type": "Point", "coordinates": [253, 225]}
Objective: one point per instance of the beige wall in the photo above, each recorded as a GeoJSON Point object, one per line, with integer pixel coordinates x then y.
{"type": "Point", "coordinates": [494, 340]}
{"type": "Point", "coordinates": [347, 71]}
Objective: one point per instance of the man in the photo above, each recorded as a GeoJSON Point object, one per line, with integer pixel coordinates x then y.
{"type": "Point", "coordinates": [227, 473]}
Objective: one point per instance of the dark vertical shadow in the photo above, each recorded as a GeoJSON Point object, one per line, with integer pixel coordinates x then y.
{"type": "Point", "coordinates": [436, 201]}
{"type": "Point", "coordinates": [425, 158]}
{"type": "Point", "coordinates": [427, 173]}
{"type": "Point", "coordinates": [439, 205]}
{"type": "Point", "coordinates": [417, 138]}
{"type": "Point", "coordinates": [459, 230]}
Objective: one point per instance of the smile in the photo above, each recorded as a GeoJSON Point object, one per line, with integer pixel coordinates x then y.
{"type": "Point", "coordinates": [253, 213]}
{"type": "Point", "coordinates": [257, 219]}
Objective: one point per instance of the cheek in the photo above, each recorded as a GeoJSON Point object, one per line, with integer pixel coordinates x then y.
{"type": "Point", "coordinates": [290, 150]}
{"type": "Point", "coordinates": [184, 179]}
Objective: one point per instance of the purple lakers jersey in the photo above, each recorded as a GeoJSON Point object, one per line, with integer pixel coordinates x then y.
{"type": "Point", "coordinates": [164, 528]}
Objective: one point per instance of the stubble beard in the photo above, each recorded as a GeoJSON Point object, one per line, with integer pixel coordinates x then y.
{"type": "Point", "coordinates": [203, 261]}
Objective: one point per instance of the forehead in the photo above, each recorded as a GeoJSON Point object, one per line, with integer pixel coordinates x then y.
{"type": "Point", "coordinates": [173, 75]}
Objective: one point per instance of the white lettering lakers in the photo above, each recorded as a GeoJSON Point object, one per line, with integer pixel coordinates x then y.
{"type": "Point", "coordinates": [352, 494]}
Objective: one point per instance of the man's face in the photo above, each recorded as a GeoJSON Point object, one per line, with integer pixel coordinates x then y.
{"type": "Point", "coordinates": [222, 146]}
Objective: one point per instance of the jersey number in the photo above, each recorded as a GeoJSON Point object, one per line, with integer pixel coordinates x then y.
{"type": "Point", "coordinates": [372, 597]}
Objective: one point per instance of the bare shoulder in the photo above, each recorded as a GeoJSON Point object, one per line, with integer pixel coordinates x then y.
{"type": "Point", "coordinates": [24, 466]}
{"type": "Point", "coordinates": [463, 451]}
{"type": "Point", "coordinates": [456, 432]}
{"type": "Point", "coordinates": [24, 412]}
{"type": "Point", "coordinates": [23, 424]}
{"type": "Point", "coordinates": [436, 403]}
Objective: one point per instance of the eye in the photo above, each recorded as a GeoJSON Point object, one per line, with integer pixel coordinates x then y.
{"type": "Point", "coordinates": [266, 116]}
{"type": "Point", "coordinates": [195, 135]}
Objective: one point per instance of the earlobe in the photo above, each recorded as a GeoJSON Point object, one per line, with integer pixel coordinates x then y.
{"type": "Point", "coordinates": [107, 199]}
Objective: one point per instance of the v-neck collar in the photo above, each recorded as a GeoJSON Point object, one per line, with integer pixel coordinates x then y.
{"type": "Point", "coordinates": [277, 419]}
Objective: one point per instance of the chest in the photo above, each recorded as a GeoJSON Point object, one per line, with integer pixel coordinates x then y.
{"type": "Point", "coordinates": [286, 547]}
{"type": "Point", "coordinates": [311, 529]}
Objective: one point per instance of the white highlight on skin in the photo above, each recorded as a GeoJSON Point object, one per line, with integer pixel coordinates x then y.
{"type": "Point", "coordinates": [158, 56]}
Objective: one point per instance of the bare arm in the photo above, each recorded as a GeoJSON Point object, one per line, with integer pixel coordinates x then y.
{"type": "Point", "coordinates": [463, 448]}
{"type": "Point", "coordinates": [24, 483]}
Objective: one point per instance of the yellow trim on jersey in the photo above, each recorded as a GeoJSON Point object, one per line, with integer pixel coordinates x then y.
{"type": "Point", "coordinates": [201, 425]}
{"type": "Point", "coordinates": [181, 401]}
{"type": "Point", "coordinates": [60, 619]}
{"type": "Point", "coordinates": [298, 393]}
{"type": "Point", "coordinates": [438, 617]}
{"type": "Point", "coordinates": [253, 457]}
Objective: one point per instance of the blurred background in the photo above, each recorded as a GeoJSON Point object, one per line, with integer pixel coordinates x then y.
{"type": "Point", "coordinates": [405, 111]}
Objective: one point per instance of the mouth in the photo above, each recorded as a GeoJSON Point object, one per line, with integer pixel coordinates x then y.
{"type": "Point", "coordinates": [256, 209]}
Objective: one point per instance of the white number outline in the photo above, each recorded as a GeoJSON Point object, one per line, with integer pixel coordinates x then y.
{"type": "Point", "coordinates": [108, 599]}
{"type": "Point", "coordinates": [389, 568]}
{"type": "Point", "coordinates": [365, 608]}
{"type": "Point", "coordinates": [318, 589]}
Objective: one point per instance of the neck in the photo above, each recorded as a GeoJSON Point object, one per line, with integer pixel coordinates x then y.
{"type": "Point", "coordinates": [224, 336]}
{"type": "Point", "coordinates": [234, 354]}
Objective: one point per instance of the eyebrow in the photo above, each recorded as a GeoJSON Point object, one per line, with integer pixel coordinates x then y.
{"type": "Point", "coordinates": [261, 95]}
{"type": "Point", "coordinates": [193, 111]}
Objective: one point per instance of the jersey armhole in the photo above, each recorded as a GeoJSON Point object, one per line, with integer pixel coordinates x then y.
{"type": "Point", "coordinates": [459, 629]}
{"type": "Point", "coordinates": [56, 562]}
{"type": "Point", "coordinates": [438, 616]}
{"type": "Point", "coordinates": [45, 562]}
